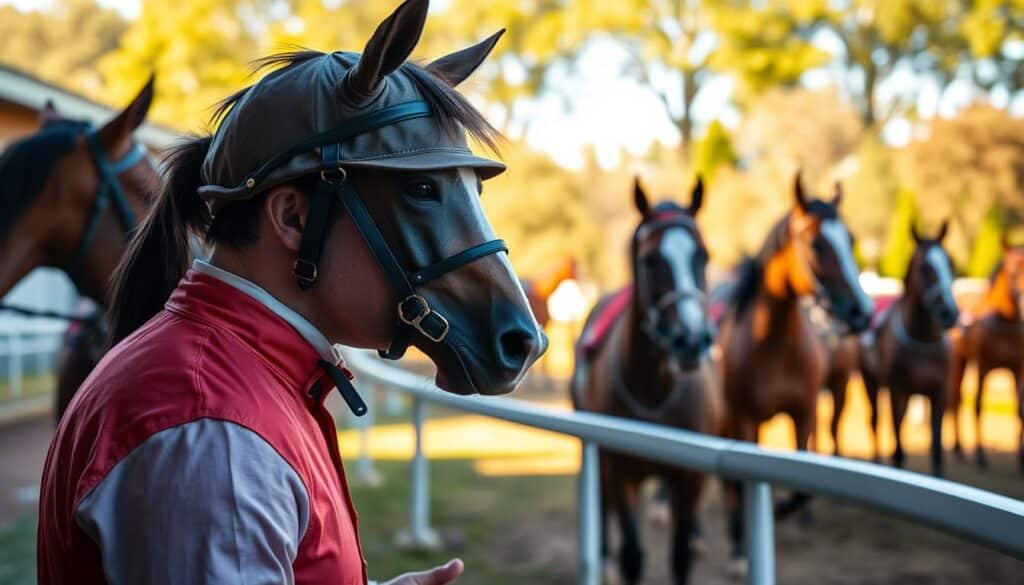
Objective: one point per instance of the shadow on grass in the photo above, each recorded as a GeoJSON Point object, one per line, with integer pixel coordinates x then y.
{"type": "Point", "coordinates": [18, 552]}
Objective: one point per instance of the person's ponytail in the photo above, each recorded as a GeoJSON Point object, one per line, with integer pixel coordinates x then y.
{"type": "Point", "coordinates": [159, 253]}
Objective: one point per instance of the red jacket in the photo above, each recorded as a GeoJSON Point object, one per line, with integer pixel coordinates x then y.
{"type": "Point", "coordinates": [213, 353]}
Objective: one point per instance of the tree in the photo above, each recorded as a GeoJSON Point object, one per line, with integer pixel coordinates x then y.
{"type": "Point", "coordinates": [198, 49]}
{"type": "Point", "coordinates": [965, 166]}
{"type": "Point", "coordinates": [900, 245]}
{"type": "Point", "coordinates": [62, 45]}
{"type": "Point", "coordinates": [872, 190]}
{"type": "Point", "coordinates": [988, 246]}
{"type": "Point", "coordinates": [714, 151]}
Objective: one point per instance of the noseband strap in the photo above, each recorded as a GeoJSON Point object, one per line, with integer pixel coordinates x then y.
{"type": "Point", "coordinates": [413, 311]}
{"type": "Point", "coordinates": [108, 189]}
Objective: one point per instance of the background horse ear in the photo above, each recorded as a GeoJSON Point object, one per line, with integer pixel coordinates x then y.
{"type": "Point", "coordinates": [1004, 242]}
{"type": "Point", "coordinates": [48, 114]}
{"type": "Point", "coordinates": [838, 198]}
{"type": "Point", "coordinates": [454, 68]}
{"type": "Point", "coordinates": [943, 230]}
{"type": "Point", "coordinates": [798, 191]}
{"type": "Point", "coordinates": [915, 234]}
{"type": "Point", "coordinates": [116, 134]}
{"type": "Point", "coordinates": [389, 47]}
{"type": "Point", "coordinates": [640, 198]}
{"type": "Point", "coordinates": [697, 196]}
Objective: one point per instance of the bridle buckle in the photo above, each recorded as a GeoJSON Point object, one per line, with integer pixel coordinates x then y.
{"type": "Point", "coordinates": [422, 311]}
{"type": "Point", "coordinates": [305, 271]}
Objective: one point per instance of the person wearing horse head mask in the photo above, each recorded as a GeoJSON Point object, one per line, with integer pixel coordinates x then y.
{"type": "Point", "coordinates": [341, 205]}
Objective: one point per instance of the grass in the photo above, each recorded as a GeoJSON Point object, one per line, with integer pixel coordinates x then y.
{"type": "Point", "coordinates": [18, 552]}
{"type": "Point", "coordinates": [477, 516]}
{"type": "Point", "coordinates": [34, 385]}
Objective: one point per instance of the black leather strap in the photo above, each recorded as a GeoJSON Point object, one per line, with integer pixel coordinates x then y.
{"type": "Point", "coordinates": [345, 388]}
{"type": "Point", "coordinates": [318, 221]}
{"type": "Point", "coordinates": [108, 189]}
{"type": "Point", "coordinates": [452, 263]}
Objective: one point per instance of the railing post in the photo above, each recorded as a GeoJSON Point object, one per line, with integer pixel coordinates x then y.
{"type": "Point", "coordinates": [14, 364]}
{"type": "Point", "coordinates": [366, 473]}
{"type": "Point", "coordinates": [419, 535]}
{"type": "Point", "coordinates": [589, 504]}
{"type": "Point", "coordinates": [759, 522]}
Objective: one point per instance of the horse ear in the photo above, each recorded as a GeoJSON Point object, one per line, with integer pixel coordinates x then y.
{"type": "Point", "coordinates": [454, 68]}
{"type": "Point", "coordinates": [119, 130]}
{"type": "Point", "coordinates": [943, 230]}
{"type": "Point", "coordinates": [640, 198]}
{"type": "Point", "coordinates": [798, 192]}
{"type": "Point", "coordinates": [1004, 242]}
{"type": "Point", "coordinates": [914, 233]}
{"type": "Point", "coordinates": [838, 197]}
{"type": "Point", "coordinates": [697, 196]}
{"type": "Point", "coordinates": [389, 47]}
{"type": "Point", "coordinates": [48, 114]}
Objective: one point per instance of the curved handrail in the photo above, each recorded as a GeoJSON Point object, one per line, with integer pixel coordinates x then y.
{"type": "Point", "coordinates": [967, 512]}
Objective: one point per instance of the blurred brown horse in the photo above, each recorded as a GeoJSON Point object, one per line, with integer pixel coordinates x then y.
{"type": "Point", "coordinates": [87, 187]}
{"type": "Point", "coordinates": [908, 351]}
{"type": "Point", "coordinates": [643, 356]}
{"type": "Point", "coordinates": [773, 360]}
{"type": "Point", "coordinates": [994, 338]}
{"type": "Point", "coordinates": [540, 288]}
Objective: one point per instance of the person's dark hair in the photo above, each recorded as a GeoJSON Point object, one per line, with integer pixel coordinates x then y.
{"type": "Point", "coordinates": [160, 253]}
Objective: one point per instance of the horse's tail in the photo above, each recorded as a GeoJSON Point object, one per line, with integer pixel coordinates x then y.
{"type": "Point", "coordinates": [159, 254]}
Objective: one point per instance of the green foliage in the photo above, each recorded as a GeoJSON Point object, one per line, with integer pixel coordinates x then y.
{"type": "Point", "coordinates": [715, 150]}
{"type": "Point", "coordinates": [988, 245]}
{"type": "Point", "coordinates": [62, 45]}
{"type": "Point", "coordinates": [870, 194]}
{"type": "Point", "coordinates": [900, 246]}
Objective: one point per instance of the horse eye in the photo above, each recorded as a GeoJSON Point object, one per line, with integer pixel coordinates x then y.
{"type": "Point", "coordinates": [423, 191]}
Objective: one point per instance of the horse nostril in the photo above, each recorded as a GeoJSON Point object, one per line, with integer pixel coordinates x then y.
{"type": "Point", "coordinates": [516, 346]}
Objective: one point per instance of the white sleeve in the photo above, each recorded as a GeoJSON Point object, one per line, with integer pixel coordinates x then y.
{"type": "Point", "coordinates": [202, 503]}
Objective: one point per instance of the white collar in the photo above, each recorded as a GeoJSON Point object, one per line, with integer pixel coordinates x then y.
{"type": "Point", "coordinates": [307, 330]}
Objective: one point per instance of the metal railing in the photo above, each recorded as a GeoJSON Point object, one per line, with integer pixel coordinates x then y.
{"type": "Point", "coordinates": [976, 515]}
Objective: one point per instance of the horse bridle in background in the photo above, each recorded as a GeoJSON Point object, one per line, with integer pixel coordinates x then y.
{"type": "Point", "coordinates": [108, 189]}
{"type": "Point", "coordinates": [414, 312]}
{"type": "Point", "coordinates": [655, 307]}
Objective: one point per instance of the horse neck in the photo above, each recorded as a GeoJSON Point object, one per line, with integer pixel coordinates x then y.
{"type": "Point", "coordinates": [1000, 298]}
{"type": "Point", "coordinates": [919, 324]}
{"type": "Point", "coordinates": [644, 365]}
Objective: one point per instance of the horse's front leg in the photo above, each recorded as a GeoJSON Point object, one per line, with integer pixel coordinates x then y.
{"type": "Point", "coordinates": [685, 495]}
{"type": "Point", "coordinates": [938, 408]}
{"type": "Point", "coordinates": [631, 556]}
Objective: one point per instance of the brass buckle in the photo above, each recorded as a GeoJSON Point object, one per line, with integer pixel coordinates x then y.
{"type": "Point", "coordinates": [423, 312]}
{"type": "Point", "coordinates": [304, 270]}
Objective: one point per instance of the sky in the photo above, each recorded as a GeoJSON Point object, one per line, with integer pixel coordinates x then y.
{"type": "Point", "coordinates": [615, 114]}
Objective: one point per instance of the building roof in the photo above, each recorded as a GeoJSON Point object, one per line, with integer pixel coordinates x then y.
{"type": "Point", "coordinates": [28, 91]}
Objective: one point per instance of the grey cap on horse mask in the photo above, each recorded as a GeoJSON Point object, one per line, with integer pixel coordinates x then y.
{"type": "Point", "coordinates": [330, 112]}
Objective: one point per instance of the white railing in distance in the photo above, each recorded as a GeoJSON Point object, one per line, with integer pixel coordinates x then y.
{"type": "Point", "coordinates": [976, 515]}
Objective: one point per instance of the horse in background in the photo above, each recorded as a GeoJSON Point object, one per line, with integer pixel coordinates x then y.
{"type": "Point", "coordinates": [993, 339]}
{"type": "Point", "coordinates": [842, 350]}
{"type": "Point", "coordinates": [773, 360]}
{"type": "Point", "coordinates": [540, 288]}
{"type": "Point", "coordinates": [69, 198]}
{"type": "Point", "coordinates": [643, 355]}
{"type": "Point", "coordinates": [908, 351]}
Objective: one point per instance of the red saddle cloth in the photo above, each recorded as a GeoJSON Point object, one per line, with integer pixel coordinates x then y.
{"type": "Point", "coordinates": [882, 306]}
{"type": "Point", "coordinates": [597, 331]}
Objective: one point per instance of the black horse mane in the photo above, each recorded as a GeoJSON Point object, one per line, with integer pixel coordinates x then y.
{"type": "Point", "coordinates": [26, 164]}
{"type": "Point", "coordinates": [452, 110]}
{"type": "Point", "coordinates": [751, 269]}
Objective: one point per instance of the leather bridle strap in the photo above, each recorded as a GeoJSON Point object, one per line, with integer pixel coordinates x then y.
{"type": "Point", "coordinates": [108, 189]}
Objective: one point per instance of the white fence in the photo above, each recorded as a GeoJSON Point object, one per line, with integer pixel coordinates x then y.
{"type": "Point", "coordinates": [969, 513]}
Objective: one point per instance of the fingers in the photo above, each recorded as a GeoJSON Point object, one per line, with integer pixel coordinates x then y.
{"type": "Point", "coordinates": [442, 575]}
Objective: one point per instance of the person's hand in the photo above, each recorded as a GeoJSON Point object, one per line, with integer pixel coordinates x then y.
{"type": "Point", "coordinates": [442, 575]}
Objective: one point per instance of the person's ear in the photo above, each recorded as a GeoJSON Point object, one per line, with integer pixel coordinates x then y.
{"type": "Point", "coordinates": [286, 208]}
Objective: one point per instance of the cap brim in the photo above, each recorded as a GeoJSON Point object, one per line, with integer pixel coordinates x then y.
{"type": "Point", "coordinates": [428, 161]}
